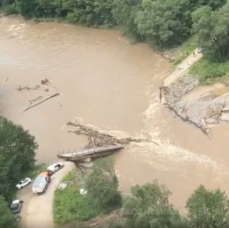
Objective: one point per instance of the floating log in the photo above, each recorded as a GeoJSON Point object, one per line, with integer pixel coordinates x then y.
{"type": "Point", "coordinates": [56, 94]}
{"type": "Point", "coordinates": [96, 152]}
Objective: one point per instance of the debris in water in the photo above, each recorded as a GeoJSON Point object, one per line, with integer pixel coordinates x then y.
{"type": "Point", "coordinates": [20, 88]}
{"type": "Point", "coordinates": [47, 83]}
{"type": "Point", "coordinates": [102, 138]}
{"type": "Point", "coordinates": [36, 99]}
{"type": "Point", "coordinates": [55, 95]}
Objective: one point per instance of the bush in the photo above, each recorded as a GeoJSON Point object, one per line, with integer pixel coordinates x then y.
{"type": "Point", "coordinates": [102, 195]}
{"type": "Point", "coordinates": [70, 206]}
{"type": "Point", "coordinates": [209, 70]}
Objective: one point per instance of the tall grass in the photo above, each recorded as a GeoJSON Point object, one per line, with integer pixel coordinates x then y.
{"type": "Point", "coordinates": [208, 70]}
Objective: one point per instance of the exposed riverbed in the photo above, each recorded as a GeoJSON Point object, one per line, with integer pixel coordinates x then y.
{"type": "Point", "coordinates": [109, 83]}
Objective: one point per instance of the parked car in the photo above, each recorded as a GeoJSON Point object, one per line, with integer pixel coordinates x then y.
{"type": "Point", "coordinates": [16, 206]}
{"type": "Point", "coordinates": [23, 183]}
{"type": "Point", "coordinates": [41, 183]}
{"type": "Point", "coordinates": [55, 167]}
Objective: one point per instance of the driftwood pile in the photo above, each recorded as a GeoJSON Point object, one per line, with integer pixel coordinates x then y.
{"type": "Point", "coordinates": [101, 138]}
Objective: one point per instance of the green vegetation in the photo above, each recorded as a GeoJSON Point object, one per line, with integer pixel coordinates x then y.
{"type": "Point", "coordinates": [147, 207]}
{"type": "Point", "coordinates": [209, 70]}
{"type": "Point", "coordinates": [17, 152]}
{"type": "Point", "coordinates": [185, 49]}
{"type": "Point", "coordinates": [102, 186]}
{"type": "Point", "coordinates": [6, 217]}
{"type": "Point", "coordinates": [35, 171]}
{"type": "Point", "coordinates": [212, 31]}
{"type": "Point", "coordinates": [102, 195]}
{"type": "Point", "coordinates": [164, 25]}
{"type": "Point", "coordinates": [208, 208]}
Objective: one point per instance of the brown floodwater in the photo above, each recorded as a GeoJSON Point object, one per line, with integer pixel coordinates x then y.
{"type": "Point", "coordinates": [109, 83]}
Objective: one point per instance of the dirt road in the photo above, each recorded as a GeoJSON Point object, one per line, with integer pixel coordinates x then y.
{"type": "Point", "coordinates": [182, 68]}
{"type": "Point", "coordinates": [37, 209]}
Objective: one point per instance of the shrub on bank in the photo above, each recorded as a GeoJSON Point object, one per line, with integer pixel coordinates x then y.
{"type": "Point", "coordinates": [102, 194]}
{"type": "Point", "coordinates": [71, 206]}
{"type": "Point", "coordinates": [148, 207]}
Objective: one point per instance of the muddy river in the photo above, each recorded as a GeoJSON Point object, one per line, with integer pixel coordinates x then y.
{"type": "Point", "coordinates": [109, 83]}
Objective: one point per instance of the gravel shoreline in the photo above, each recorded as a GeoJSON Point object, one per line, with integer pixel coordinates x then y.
{"type": "Point", "coordinates": [203, 111]}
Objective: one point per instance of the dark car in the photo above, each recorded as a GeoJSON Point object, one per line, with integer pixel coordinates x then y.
{"type": "Point", "coordinates": [16, 206]}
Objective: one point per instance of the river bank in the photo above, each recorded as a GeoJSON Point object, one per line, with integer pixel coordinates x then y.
{"type": "Point", "coordinates": [108, 83]}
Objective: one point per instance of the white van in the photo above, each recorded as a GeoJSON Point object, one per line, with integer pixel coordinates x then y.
{"type": "Point", "coordinates": [41, 183]}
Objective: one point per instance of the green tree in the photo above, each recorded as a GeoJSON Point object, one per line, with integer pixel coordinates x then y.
{"type": "Point", "coordinates": [102, 185]}
{"type": "Point", "coordinates": [91, 13]}
{"type": "Point", "coordinates": [149, 207]}
{"type": "Point", "coordinates": [163, 24]}
{"type": "Point", "coordinates": [124, 13]}
{"type": "Point", "coordinates": [214, 4]}
{"type": "Point", "coordinates": [17, 152]}
{"type": "Point", "coordinates": [208, 208]}
{"type": "Point", "coordinates": [212, 31]}
{"type": "Point", "coordinates": [7, 219]}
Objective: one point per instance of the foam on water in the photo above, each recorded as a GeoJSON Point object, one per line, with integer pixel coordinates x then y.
{"type": "Point", "coordinates": [164, 154]}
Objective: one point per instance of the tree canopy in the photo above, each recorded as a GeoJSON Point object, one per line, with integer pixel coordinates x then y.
{"type": "Point", "coordinates": [17, 152]}
{"type": "Point", "coordinates": [149, 207]}
{"type": "Point", "coordinates": [212, 30]}
{"type": "Point", "coordinates": [208, 208]}
{"type": "Point", "coordinates": [102, 184]}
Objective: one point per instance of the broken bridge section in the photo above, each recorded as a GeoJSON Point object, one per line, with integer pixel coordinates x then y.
{"type": "Point", "coordinates": [100, 144]}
